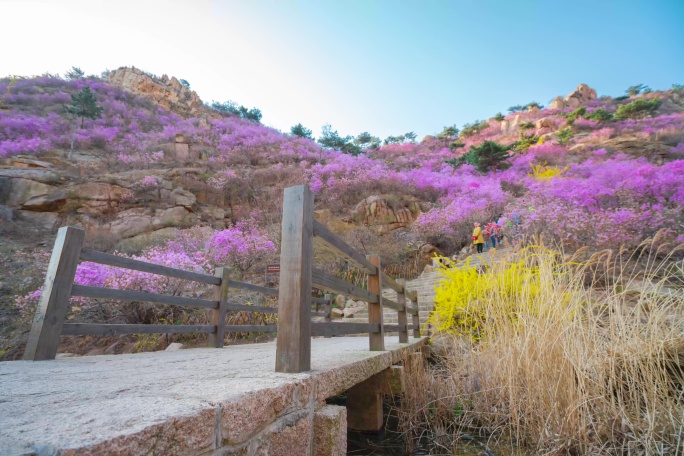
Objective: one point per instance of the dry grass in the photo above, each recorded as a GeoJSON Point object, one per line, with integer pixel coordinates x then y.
{"type": "Point", "coordinates": [587, 359]}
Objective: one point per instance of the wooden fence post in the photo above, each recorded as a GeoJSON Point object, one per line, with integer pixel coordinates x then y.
{"type": "Point", "coordinates": [401, 315]}
{"type": "Point", "coordinates": [327, 307]}
{"type": "Point", "coordinates": [416, 322]}
{"type": "Point", "coordinates": [293, 347]}
{"type": "Point", "coordinates": [376, 340]}
{"type": "Point", "coordinates": [53, 305]}
{"type": "Point", "coordinates": [218, 316]}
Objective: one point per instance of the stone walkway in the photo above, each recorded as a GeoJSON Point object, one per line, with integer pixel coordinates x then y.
{"type": "Point", "coordinates": [193, 401]}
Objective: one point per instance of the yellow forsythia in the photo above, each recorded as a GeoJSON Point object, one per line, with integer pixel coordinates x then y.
{"type": "Point", "coordinates": [470, 302]}
{"type": "Point", "coordinates": [545, 172]}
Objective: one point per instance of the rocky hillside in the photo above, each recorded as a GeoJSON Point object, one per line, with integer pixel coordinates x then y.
{"type": "Point", "coordinates": [588, 170]}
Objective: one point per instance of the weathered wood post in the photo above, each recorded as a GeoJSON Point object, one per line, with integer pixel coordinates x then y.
{"type": "Point", "coordinates": [377, 340]}
{"type": "Point", "coordinates": [218, 315]}
{"type": "Point", "coordinates": [53, 305]}
{"type": "Point", "coordinates": [416, 321]}
{"type": "Point", "coordinates": [401, 315]}
{"type": "Point", "coordinates": [293, 347]}
{"type": "Point", "coordinates": [327, 308]}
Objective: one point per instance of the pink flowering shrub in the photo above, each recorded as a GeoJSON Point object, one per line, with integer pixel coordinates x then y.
{"type": "Point", "coordinates": [98, 275]}
{"type": "Point", "coordinates": [250, 164]}
{"type": "Point", "coordinates": [476, 199]}
{"type": "Point", "coordinates": [240, 246]}
{"type": "Point", "coordinates": [146, 183]}
{"type": "Point", "coordinates": [194, 250]}
{"type": "Point", "coordinates": [605, 204]}
{"type": "Point", "coordinates": [602, 134]}
{"type": "Point", "coordinates": [678, 149]}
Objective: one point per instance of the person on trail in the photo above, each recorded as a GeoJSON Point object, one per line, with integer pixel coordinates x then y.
{"type": "Point", "coordinates": [492, 230]}
{"type": "Point", "coordinates": [504, 224]}
{"type": "Point", "coordinates": [478, 238]}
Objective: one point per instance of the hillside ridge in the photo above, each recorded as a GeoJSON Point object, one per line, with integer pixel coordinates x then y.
{"type": "Point", "coordinates": [160, 171]}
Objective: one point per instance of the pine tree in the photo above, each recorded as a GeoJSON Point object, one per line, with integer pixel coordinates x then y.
{"type": "Point", "coordinates": [489, 155]}
{"type": "Point", "coordinates": [74, 73]}
{"type": "Point", "coordinates": [84, 104]}
{"type": "Point", "coordinates": [301, 131]}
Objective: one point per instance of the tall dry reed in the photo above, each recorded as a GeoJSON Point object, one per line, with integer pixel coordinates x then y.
{"type": "Point", "coordinates": [552, 355]}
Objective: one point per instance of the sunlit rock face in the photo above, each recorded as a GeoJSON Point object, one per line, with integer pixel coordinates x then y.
{"type": "Point", "coordinates": [169, 93]}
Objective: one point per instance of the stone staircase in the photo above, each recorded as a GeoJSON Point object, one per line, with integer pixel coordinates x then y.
{"type": "Point", "coordinates": [424, 285]}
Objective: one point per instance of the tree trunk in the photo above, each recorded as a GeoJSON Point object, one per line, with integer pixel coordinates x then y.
{"type": "Point", "coordinates": [73, 138]}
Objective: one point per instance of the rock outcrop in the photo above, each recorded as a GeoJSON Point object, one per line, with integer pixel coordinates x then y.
{"type": "Point", "coordinates": [169, 93]}
{"type": "Point", "coordinates": [377, 212]}
{"type": "Point", "coordinates": [654, 151]}
{"type": "Point", "coordinates": [545, 122]}
{"type": "Point", "coordinates": [507, 126]}
{"type": "Point", "coordinates": [19, 185]}
{"type": "Point", "coordinates": [580, 96]}
{"type": "Point", "coordinates": [115, 207]}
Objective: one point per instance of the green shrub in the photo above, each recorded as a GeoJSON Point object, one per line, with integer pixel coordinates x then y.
{"type": "Point", "coordinates": [230, 107]}
{"type": "Point", "coordinates": [456, 145]}
{"type": "Point", "coordinates": [499, 117]}
{"type": "Point", "coordinates": [599, 115]}
{"type": "Point", "coordinates": [564, 136]}
{"type": "Point", "coordinates": [637, 109]}
{"type": "Point", "coordinates": [471, 129]}
{"type": "Point", "coordinates": [524, 142]}
{"type": "Point", "coordinates": [572, 116]}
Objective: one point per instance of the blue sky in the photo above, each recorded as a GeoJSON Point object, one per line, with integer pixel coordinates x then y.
{"type": "Point", "coordinates": [386, 67]}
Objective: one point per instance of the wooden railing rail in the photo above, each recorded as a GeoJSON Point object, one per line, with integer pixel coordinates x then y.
{"type": "Point", "coordinates": [80, 329]}
{"type": "Point", "coordinates": [268, 291]}
{"type": "Point", "coordinates": [300, 234]}
{"type": "Point", "coordinates": [85, 291]}
{"type": "Point", "coordinates": [143, 266]}
{"type": "Point", "coordinates": [324, 238]}
{"type": "Point", "coordinates": [328, 282]}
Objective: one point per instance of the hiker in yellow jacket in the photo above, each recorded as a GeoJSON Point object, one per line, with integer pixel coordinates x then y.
{"type": "Point", "coordinates": [478, 238]}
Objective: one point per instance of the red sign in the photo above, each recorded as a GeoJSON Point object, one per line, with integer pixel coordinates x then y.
{"type": "Point", "coordinates": [273, 269]}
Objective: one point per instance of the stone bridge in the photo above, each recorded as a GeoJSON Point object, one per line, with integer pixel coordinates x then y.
{"type": "Point", "coordinates": [218, 400]}
{"type": "Point", "coordinates": [201, 401]}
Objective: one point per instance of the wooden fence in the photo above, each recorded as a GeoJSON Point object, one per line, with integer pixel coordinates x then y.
{"type": "Point", "coordinates": [50, 319]}
{"type": "Point", "coordinates": [300, 232]}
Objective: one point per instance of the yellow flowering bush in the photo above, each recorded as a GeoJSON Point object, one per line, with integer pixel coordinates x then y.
{"type": "Point", "coordinates": [470, 299]}
{"type": "Point", "coordinates": [544, 172]}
